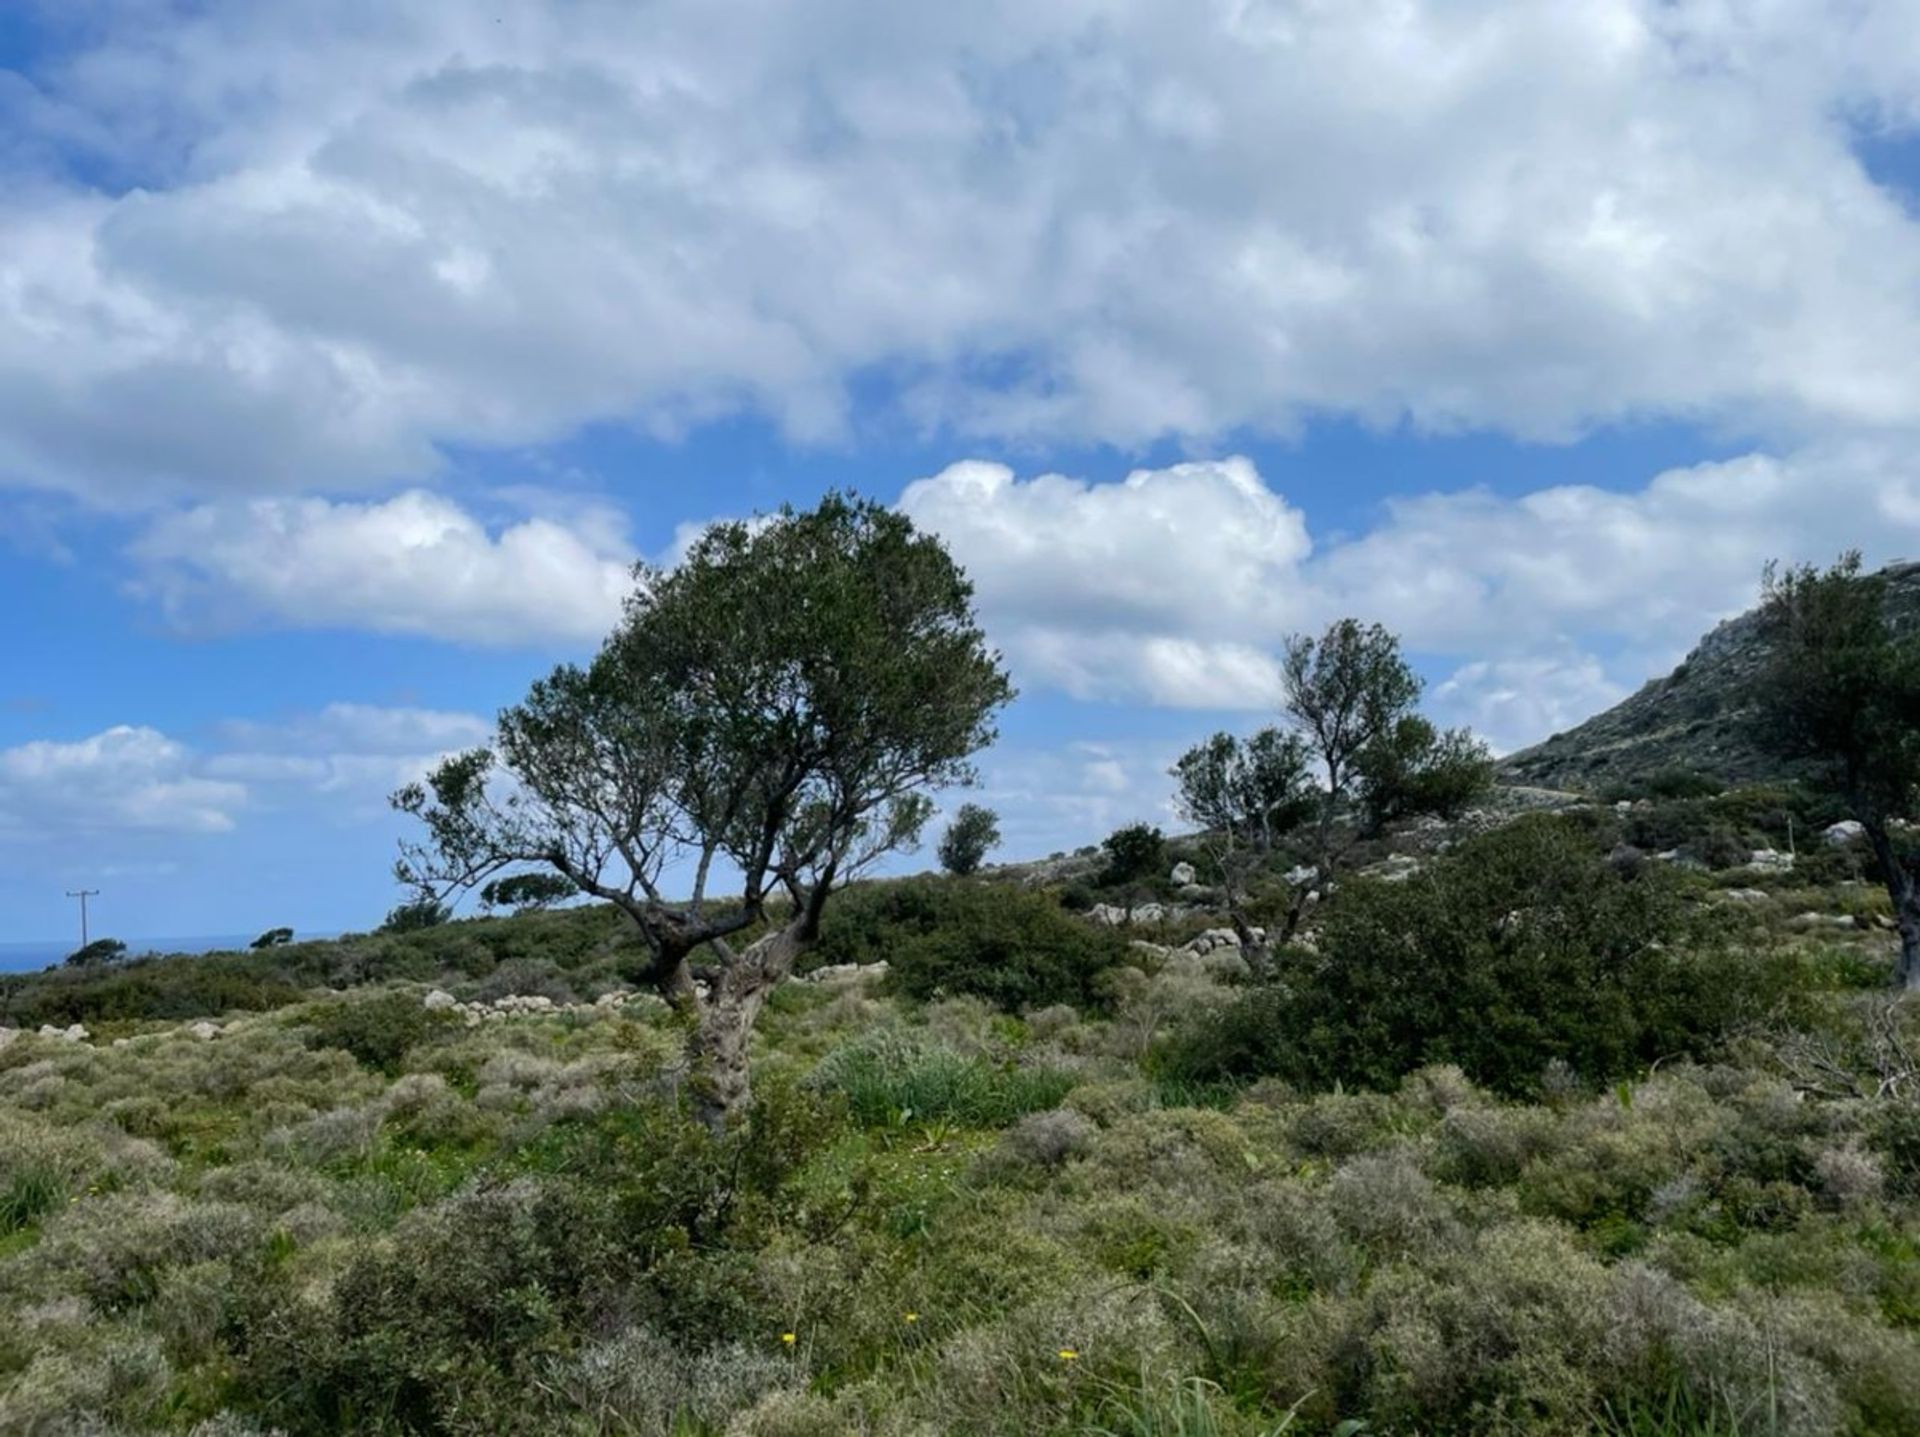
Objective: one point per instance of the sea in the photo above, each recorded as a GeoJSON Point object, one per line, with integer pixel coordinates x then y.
{"type": "Point", "coordinates": [26, 957]}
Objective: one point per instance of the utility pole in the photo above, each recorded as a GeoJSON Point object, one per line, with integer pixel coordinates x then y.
{"type": "Point", "coordinates": [83, 894]}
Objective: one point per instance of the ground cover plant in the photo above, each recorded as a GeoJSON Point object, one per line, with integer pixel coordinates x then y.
{"type": "Point", "coordinates": [381, 1188]}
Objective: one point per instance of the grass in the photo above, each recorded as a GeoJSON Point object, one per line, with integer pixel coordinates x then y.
{"type": "Point", "coordinates": [882, 1090]}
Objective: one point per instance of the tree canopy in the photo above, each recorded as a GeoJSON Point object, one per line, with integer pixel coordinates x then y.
{"type": "Point", "coordinates": [972, 835]}
{"type": "Point", "coordinates": [769, 715]}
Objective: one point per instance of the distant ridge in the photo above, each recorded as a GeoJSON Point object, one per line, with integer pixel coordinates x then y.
{"type": "Point", "coordinates": [1695, 718]}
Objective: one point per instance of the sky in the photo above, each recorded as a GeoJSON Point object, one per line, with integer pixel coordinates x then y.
{"type": "Point", "coordinates": [352, 352]}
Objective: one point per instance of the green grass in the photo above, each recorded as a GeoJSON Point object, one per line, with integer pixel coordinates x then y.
{"type": "Point", "coordinates": [945, 1087]}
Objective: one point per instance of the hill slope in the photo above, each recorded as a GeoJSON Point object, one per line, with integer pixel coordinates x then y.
{"type": "Point", "coordinates": [1694, 718]}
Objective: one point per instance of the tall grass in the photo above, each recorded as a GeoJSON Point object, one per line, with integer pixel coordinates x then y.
{"type": "Point", "coordinates": [883, 1089]}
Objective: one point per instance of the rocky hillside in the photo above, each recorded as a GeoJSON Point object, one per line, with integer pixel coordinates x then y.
{"type": "Point", "coordinates": [1695, 718]}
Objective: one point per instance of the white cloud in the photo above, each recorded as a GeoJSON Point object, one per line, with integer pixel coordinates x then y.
{"type": "Point", "coordinates": [1176, 587]}
{"type": "Point", "coordinates": [1072, 793]}
{"type": "Point", "coordinates": [414, 564]}
{"type": "Point", "coordinates": [1514, 702]}
{"type": "Point", "coordinates": [349, 235]}
{"type": "Point", "coordinates": [129, 780]}
{"type": "Point", "coordinates": [1161, 588]}
{"type": "Point", "coordinates": [123, 779]}
{"type": "Point", "coordinates": [350, 756]}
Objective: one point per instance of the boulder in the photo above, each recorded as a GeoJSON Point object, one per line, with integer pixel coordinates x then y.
{"type": "Point", "coordinates": [1846, 831]}
{"type": "Point", "coordinates": [438, 1000]}
{"type": "Point", "coordinates": [75, 1034]}
{"type": "Point", "coordinates": [1183, 875]}
{"type": "Point", "coordinates": [205, 1030]}
{"type": "Point", "coordinates": [1149, 913]}
{"type": "Point", "coordinates": [1107, 914]}
{"type": "Point", "coordinates": [1305, 873]}
{"type": "Point", "coordinates": [1742, 895]}
{"type": "Point", "coordinates": [1770, 860]}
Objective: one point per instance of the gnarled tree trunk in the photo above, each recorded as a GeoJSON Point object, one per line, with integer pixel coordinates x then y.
{"type": "Point", "coordinates": [1905, 893]}
{"type": "Point", "coordinates": [720, 1078]}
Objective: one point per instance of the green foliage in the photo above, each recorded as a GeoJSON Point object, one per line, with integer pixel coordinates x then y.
{"type": "Point", "coordinates": [30, 1194]}
{"type": "Point", "coordinates": [1523, 948]}
{"type": "Point", "coordinates": [1248, 793]}
{"type": "Point", "coordinates": [1839, 688]}
{"type": "Point", "coordinates": [1133, 854]}
{"type": "Point", "coordinates": [889, 1082]}
{"type": "Point", "coordinates": [974, 833]}
{"type": "Point", "coordinates": [98, 953]}
{"type": "Point", "coordinates": [413, 916]}
{"type": "Point", "coordinates": [1345, 690]}
{"type": "Point", "coordinates": [1411, 768]}
{"type": "Point", "coordinates": [526, 892]}
{"type": "Point", "coordinates": [1682, 783]}
{"type": "Point", "coordinates": [272, 938]}
{"type": "Point", "coordinates": [378, 1031]}
{"type": "Point", "coordinates": [940, 938]}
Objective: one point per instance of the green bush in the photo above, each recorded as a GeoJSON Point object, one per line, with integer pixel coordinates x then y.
{"type": "Point", "coordinates": [1014, 948]}
{"type": "Point", "coordinates": [1522, 949]}
{"type": "Point", "coordinates": [379, 1032]}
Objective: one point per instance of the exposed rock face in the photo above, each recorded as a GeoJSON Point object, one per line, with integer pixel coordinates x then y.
{"type": "Point", "coordinates": [1695, 718]}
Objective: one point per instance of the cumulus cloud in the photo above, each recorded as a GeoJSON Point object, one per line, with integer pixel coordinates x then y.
{"type": "Point", "coordinates": [333, 239]}
{"type": "Point", "coordinates": [131, 780]}
{"type": "Point", "coordinates": [418, 563]}
{"type": "Point", "coordinates": [123, 779]}
{"type": "Point", "coordinates": [1176, 586]}
{"type": "Point", "coordinates": [1159, 588]}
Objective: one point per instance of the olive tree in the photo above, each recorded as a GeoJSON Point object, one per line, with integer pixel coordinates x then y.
{"type": "Point", "coordinates": [971, 836]}
{"type": "Point", "coordinates": [768, 716]}
{"type": "Point", "coordinates": [1840, 690]}
{"type": "Point", "coordinates": [1245, 796]}
{"type": "Point", "coordinates": [1353, 738]}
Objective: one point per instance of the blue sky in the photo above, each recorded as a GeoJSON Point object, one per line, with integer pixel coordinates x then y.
{"type": "Point", "coordinates": [350, 352]}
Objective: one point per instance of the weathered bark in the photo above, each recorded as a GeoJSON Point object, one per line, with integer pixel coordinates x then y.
{"type": "Point", "coordinates": [1256, 952]}
{"type": "Point", "coordinates": [720, 1079]}
{"type": "Point", "coordinates": [1905, 894]}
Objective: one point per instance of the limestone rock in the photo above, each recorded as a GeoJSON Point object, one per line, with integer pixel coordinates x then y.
{"type": "Point", "coordinates": [1183, 875]}
{"type": "Point", "coordinates": [1845, 831]}
{"type": "Point", "coordinates": [438, 1001]}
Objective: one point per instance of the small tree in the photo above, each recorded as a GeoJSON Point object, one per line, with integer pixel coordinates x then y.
{"type": "Point", "coordinates": [770, 713]}
{"type": "Point", "coordinates": [1840, 690]}
{"type": "Point", "coordinates": [1244, 797]}
{"type": "Point", "coordinates": [273, 938]}
{"type": "Point", "coordinates": [527, 892]}
{"type": "Point", "coordinates": [974, 832]}
{"type": "Point", "coordinates": [1412, 768]}
{"type": "Point", "coordinates": [97, 953]}
{"type": "Point", "coordinates": [1135, 852]}
{"type": "Point", "coordinates": [1350, 698]}
{"type": "Point", "coordinates": [1344, 692]}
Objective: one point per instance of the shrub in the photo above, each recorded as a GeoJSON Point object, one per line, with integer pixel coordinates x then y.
{"type": "Point", "coordinates": [416, 915]}
{"type": "Point", "coordinates": [1014, 948]}
{"type": "Point", "coordinates": [1523, 948]}
{"type": "Point", "coordinates": [378, 1031]}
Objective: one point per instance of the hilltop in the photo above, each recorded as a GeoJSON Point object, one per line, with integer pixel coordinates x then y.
{"type": "Point", "coordinates": [1694, 719]}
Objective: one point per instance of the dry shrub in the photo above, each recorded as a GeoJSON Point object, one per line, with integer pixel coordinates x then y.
{"type": "Point", "coordinates": [640, 1384]}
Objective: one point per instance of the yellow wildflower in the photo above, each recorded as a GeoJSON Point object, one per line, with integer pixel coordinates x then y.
{"type": "Point", "coordinates": [1068, 1354]}
{"type": "Point", "coordinates": [910, 1317]}
{"type": "Point", "coordinates": [788, 1338]}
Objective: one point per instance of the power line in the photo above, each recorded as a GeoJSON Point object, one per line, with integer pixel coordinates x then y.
{"type": "Point", "coordinates": [83, 894]}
